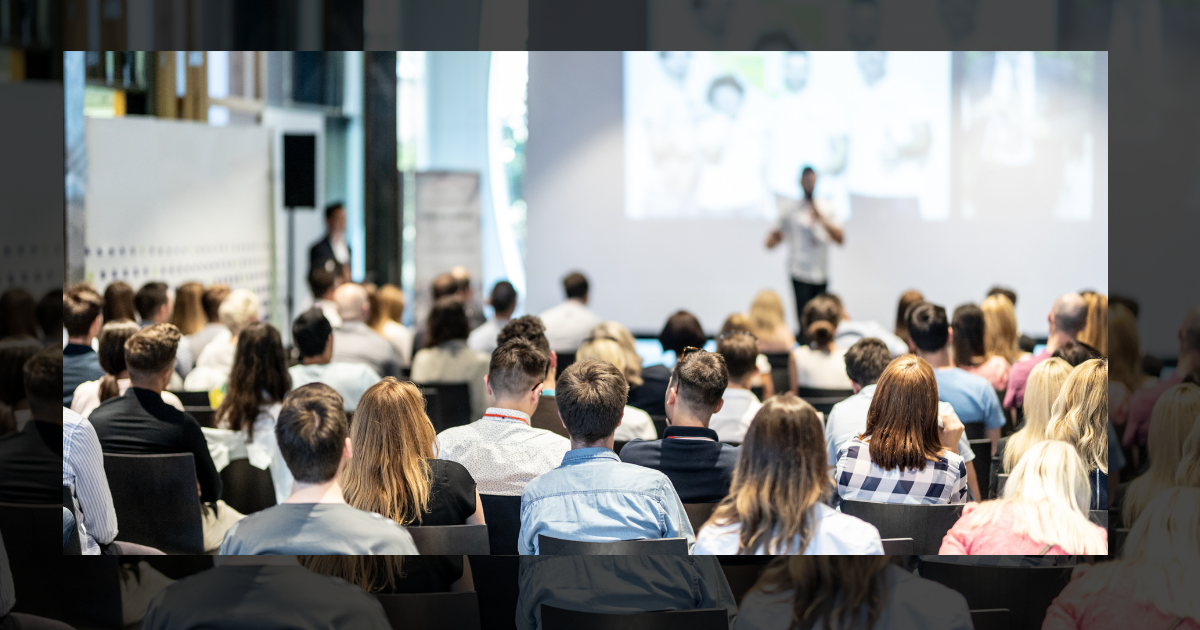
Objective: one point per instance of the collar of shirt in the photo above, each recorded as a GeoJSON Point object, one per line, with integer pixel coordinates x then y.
{"type": "Point", "coordinates": [500, 414]}
{"type": "Point", "coordinates": [581, 455]}
{"type": "Point", "coordinates": [74, 349]}
{"type": "Point", "coordinates": [737, 392]}
{"type": "Point", "coordinates": [690, 433]}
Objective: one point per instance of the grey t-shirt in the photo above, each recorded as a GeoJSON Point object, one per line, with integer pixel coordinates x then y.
{"type": "Point", "coordinates": [317, 529]}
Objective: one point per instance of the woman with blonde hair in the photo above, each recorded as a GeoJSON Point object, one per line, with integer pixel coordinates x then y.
{"type": "Point", "coordinates": [1188, 473]}
{"type": "Point", "coordinates": [620, 334]}
{"type": "Point", "coordinates": [1080, 418]}
{"type": "Point", "coordinates": [387, 309]}
{"type": "Point", "coordinates": [1155, 583]}
{"type": "Point", "coordinates": [188, 315]}
{"type": "Point", "coordinates": [1044, 510]}
{"type": "Point", "coordinates": [1172, 422]}
{"type": "Point", "coordinates": [767, 323]}
{"type": "Point", "coordinates": [238, 310]}
{"type": "Point", "coordinates": [777, 500]}
{"type": "Point", "coordinates": [1045, 381]}
{"type": "Point", "coordinates": [635, 424]}
{"type": "Point", "coordinates": [1000, 334]}
{"type": "Point", "coordinates": [821, 363]}
{"type": "Point", "coordinates": [395, 471]}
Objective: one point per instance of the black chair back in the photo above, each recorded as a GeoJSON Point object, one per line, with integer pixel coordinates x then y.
{"type": "Point", "coordinates": [974, 430]}
{"type": "Point", "coordinates": [823, 399]}
{"type": "Point", "coordinates": [83, 593]}
{"type": "Point", "coordinates": [194, 399]}
{"type": "Point", "coordinates": [205, 416]}
{"type": "Point", "coordinates": [618, 445]}
{"type": "Point", "coordinates": [432, 610]}
{"type": "Point", "coordinates": [994, 619]}
{"type": "Point", "coordinates": [1099, 517]}
{"type": "Point", "coordinates": [1025, 591]}
{"type": "Point", "coordinates": [899, 546]}
{"type": "Point", "coordinates": [926, 525]}
{"type": "Point", "coordinates": [983, 467]}
{"type": "Point", "coordinates": [565, 359]}
{"type": "Point", "coordinates": [74, 546]}
{"type": "Point", "coordinates": [156, 500]}
{"type": "Point", "coordinates": [742, 572]}
{"type": "Point", "coordinates": [497, 583]}
{"type": "Point", "coordinates": [1001, 480]}
{"type": "Point", "coordinates": [1116, 541]}
{"type": "Point", "coordinates": [451, 540]}
{"type": "Point", "coordinates": [503, 516]}
{"type": "Point", "coordinates": [550, 546]}
{"type": "Point", "coordinates": [450, 407]}
{"type": "Point", "coordinates": [698, 513]}
{"type": "Point", "coordinates": [779, 370]}
{"type": "Point", "coordinates": [245, 488]}
{"type": "Point", "coordinates": [546, 417]}
{"type": "Point", "coordinates": [660, 425]}
{"type": "Point", "coordinates": [24, 528]}
{"type": "Point", "coordinates": [704, 619]}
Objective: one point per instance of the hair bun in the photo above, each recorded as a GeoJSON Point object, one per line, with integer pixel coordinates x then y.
{"type": "Point", "coordinates": [821, 332]}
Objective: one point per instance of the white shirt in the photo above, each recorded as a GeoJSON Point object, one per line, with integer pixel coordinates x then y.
{"type": "Point", "coordinates": [735, 416]}
{"type": "Point", "coordinates": [807, 239]}
{"type": "Point", "coordinates": [454, 362]}
{"type": "Point", "coordinates": [87, 396]}
{"type": "Point", "coordinates": [568, 324]}
{"type": "Point", "coordinates": [483, 338]}
{"type": "Point", "coordinates": [502, 451]}
{"type": "Point", "coordinates": [350, 380]}
{"type": "Point", "coordinates": [835, 534]}
{"type": "Point", "coordinates": [214, 365]}
{"type": "Point", "coordinates": [848, 419]}
{"type": "Point", "coordinates": [821, 369]}
{"type": "Point", "coordinates": [329, 309]}
{"type": "Point", "coordinates": [635, 424]}
{"type": "Point", "coordinates": [341, 251]}
{"type": "Point", "coordinates": [83, 472]}
{"type": "Point", "coordinates": [849, 332]}
{"type": "Point", "coordinates": [402, 340]}
{"type": "Point", "coordinates": [226, 446]}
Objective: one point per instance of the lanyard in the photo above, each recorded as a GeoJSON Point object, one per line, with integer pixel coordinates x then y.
{"type": "Point", "coordinates": [497, 415]}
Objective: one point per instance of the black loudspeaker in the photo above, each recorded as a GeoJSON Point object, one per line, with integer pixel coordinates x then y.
{"type": "Point", "coordinates": [299, 170]}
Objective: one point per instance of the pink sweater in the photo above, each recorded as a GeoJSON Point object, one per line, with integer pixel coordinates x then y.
{"type": "Point", "coordinates": [995, 370]}
{"type": "Point", "coordinates": [1112, 607]}
{"type": "Point", "coordinates": [992, 539]}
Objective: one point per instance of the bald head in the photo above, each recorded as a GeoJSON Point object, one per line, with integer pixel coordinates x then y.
{"type": "Point", "coordinates": [1069, 315]}
{"type": "Point", "coordinates": [352, 302]}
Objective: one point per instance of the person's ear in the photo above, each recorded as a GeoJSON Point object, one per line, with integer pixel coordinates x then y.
{"type": "Point", "coordinates": [912, 345]}
{"type": "Point", "coordinates": [329, 343]}
{"type": "Point", "coordinates": [950, 337]}
{"type": "Point", "coordinates": [563, 423]}
{"type": "Point", "coordinates": [553, 360]}
{"type": "Point", "coordinates": [487, 383]}
{"type": "Point", "coordinates": [537, 392]}
{"type": "Point", "coordinates": [347, 451]}
{"type": "Point", "coordinates": [720, 403]}
{"type": "Point", "coordinates": [672, 395]}
{"type": "Point", "coordinates": [855, 387]}
{"type": "Point", "coordinates": [96, 325]}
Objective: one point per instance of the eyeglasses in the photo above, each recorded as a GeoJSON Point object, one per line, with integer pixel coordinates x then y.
{"type": "Point", "coordinates": [688, 350]}
{"type": "Point", "coordinates": [735, 333]}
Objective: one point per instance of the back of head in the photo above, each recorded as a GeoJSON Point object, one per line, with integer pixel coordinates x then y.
{"type": "Point", "coordinates": [211, 302]}
{"type": "Point", "coordinates": [516, 368]}
{"type": "Point", "coordinates": [604, 349]}
{"type": "Point", "coordinates": [321, 281]}
{"type": "Point", "coordinates": [820, 319]}
{"type": "Point", "coordinates": [259, 377]}
{"type": "Point", "coordinates": [780, 475]}
{"type": "Point", "coordinates": [150, 298]}
{"type": "Point", "coordinates": [968, 329]}
{"type": "Point", "coordinates": [739, 349]}
{"type": "Point", "coordinates": [928, 328]}
{"type": "Point", "coordinates": [444, 285]}
{"type": "Point", "coordinates": [620, 334]}
{"type": "Point", "coordinates": [1188, 472]}
{"type": "Point", "coordinates": [18, 314]}
{"type": "Point", "coordinates": [591, 398]}
{"type": "Point", "coordinates": [908, 299]}
{"type": "Point", "coordinates": [392, 437]}
{"type": "Point", "coordinates": [1000, 334]}
{"type": "Point", "coordinates": [575, 285]}
{"type": "Point", "coordinates": [352, 302]}
{"type": "Point", "coordinates": [1172, 422]}
{"type": "Point", "coordinates": [1080, 413]}
{"type": "Point", "coordinates": [701, 378]}
{"type": "Point", "coordinates": [391, 302]}
{"type": "Point", "coordinates": [81, 305]}
{"type": "Point", "coordinates": [682, 331]}
{"type": "Point", "coordinates": [902, 420]}
{"type": "Point", "coordinates": [118, 302]}
{"type": "Point", "coordinates": [151, 351]}
{"type": "Point", "coordinates": [1005, 292]}
{"type": "Point", "coordinates": [766, 313]}
{"type": "Point", "coordinates": [1095, 332]}
{"type": "Point", "coordinates": [310, 333]}
{"type": "Point", "coordinates": [1124, 347]}
{"type": "Point", "coordinates": [1076, 352]}
{"type": "Point", "coordinates": [49, 312]}
{"type": "Point", "coordinates": [527, 327]}
{"type": "Point", "coordinates": [188, 315]}
{"type": "Point", "coordinates": [1069, 314]}
{"type": "Point", "coordinates": [866, 360]}
{"type": "Point", "coordinates": [504, 298]}
{"type": "Point", "coordinates": [447, 321]}
{"type": "Point", "coordinates": [43, 376]}
{"type": "Point", "coordinates": [14, 352]}
{"type": "Point", "coordinates": [831, 591]}
{"type": "Point", "coordinates": [736, 321]}
{"type": "Point", "coordinates": [1041, 390]}
{"type": "Point", "coordinates": [239, 309]}
{"type": "Point", "coordinates": [311, 432]}
{"type": "Point", "coordinates": [111, 352]}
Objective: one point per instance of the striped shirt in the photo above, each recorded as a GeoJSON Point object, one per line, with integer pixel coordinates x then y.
{"type": "Point", "coordinates": [83, 471]}
{"type": "Point", "coordinates": [859, 479]}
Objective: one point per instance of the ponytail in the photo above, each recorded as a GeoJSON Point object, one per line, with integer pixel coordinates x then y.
{"type": "Point", "coordinates": [108, 387]}
{"type": "Point", "coordinates": [821, 332]}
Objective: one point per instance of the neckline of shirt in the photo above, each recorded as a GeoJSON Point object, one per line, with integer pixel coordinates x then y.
{"type": "Point", "coordinates": [501, 414]}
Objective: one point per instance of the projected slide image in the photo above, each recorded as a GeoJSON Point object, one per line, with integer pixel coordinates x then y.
{"type": "Point", "coordinates": [726, 134]}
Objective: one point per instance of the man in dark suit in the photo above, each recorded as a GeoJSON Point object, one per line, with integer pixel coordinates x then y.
{"type": "Point", "coordinates": [333, 248]}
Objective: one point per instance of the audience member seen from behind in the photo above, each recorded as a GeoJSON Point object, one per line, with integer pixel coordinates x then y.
{"type": "Point", "coordinates": [385, 320]}
{"type": "Point", "coordinates": [503, 302]}
{"type": "Point", "coordinates": [1124, 363]}
{"type": "Point", "coordinates": [49, 314]}
{"type": "Point", "coordinates": [740, 322]}
{"type": "Point", "coordinates": [530, 328]}
{"type": "Point", "coordinates": [314, 339]}
{"type": "Point", "coordinates": [633, 361]}
{"type": "Point", "coordinates": [322, 283]}
{"type": "Point", "coordinates": [1141, 404]}
{"type": "Point", "coordinates": [315, 518]}
{"type": "Point", "coordinates": [1080, 418]}
{"type": "Point", "coordinates": [1044, 511]}
{"type": "Point", "coordinates": [1095, 333]}
{"type": "Point", "coordinates": [569, 323]}
{"type": "Point", "coordinates": [846, 591]}
{"type": "Point", "coordinates": [14, 408]}
{"type": "Point", "coordinates": [1188, 472]}
{"type": "Point", "coordinates": [238, 310]}
{"type": "Point", "coordinates": [1076, 352]}
{"type": "Point", "coordinates": [689, 453]}
{"type": "Point", "coordinates": [501, 450]}
{"type": "Point", "coordinates": [18, 314]}
{"type": "Point", "coordinates": [850, 331]}
{"type": "Point", "coordinates": [1001, 337]}
{"type": "Point", "coordinates": [681, 331]}
{"type": "Point", "coordinates": [739, 349]}
{"type": "Point", "coordinates": [1067, 318]}
{"type": "Point", "coordinates": [118, 302]}
{"type": "Point", "coordinates": [447, 359]}
{"type": "Point", "coordinates": [30, 458]}
{"type": "Point", "coordinates": [81, 316]}
{"type": "Point", "coordinates": [210, 302]}
{"type": "Point", "coordinates": [115, 381]}
{"type": "Point", "coordinates": [768, 325]}
{"type": "Point", "coordinates": [908, 299]}
{"type": "Point", "coordinates": [395, 471]}
{"type": "Point", "coordinates": [188, 313]}
{"type": "Point", "coordinates": [903, 456]}
{"type": "Point", "coordinates": [154, 303]}
{"type": "Point", "coordinates": [593, 496]}
{"type": "Point", "coordinates": [1176, 416]}
{"type": "Point", "coordinates": [821, 363]}
{"type": "Point", "coordinates": [970, 351]}
{"type": "Point", "coordinates": [354, 341]}
{"type": "Point", "coordinates": [777, 504]}
{"type": "Point", "coordinates": [1045, 382]}
{"type": "Point", "coordinates": [635, 424]}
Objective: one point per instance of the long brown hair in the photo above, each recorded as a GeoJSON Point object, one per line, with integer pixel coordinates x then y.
{"type": "Point", "coordinates": [832, 590]}
{"type": "Point", "coordinates": [909, 298]}
{"type": "Point", "coordinates": [111, 342]}
{"type": "Point", "coordinates": [1095, 333]}
{"type": "Point", "coordinates": [189, 316]}
{"type": "Point", "coordinates": [392, 438]}
{"type": "Point", "coordinates": [781, 474]}
{"type": "Point", "coordinates": [118, 302]}
{"type": "Point", "coordinates": [373, 574]}
{"type": "Point", "coordinates": [387, 306]}
{"type": "Point", "coordinates": [259, 377]}
{"type": "Point", "coordinates": [1000, 336]}
{"type": "Point", "coordinates": [968, 326]}
{"type": "Point", "coordinates": [902, 420]}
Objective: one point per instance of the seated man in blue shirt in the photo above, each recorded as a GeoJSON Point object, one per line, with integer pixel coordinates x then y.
{"type": "Point", "coordinates": [690, 455]}
{"type": "Point", "coordinates": [593, 496]}
{"type": "Point", "coordinates": [81, 317]}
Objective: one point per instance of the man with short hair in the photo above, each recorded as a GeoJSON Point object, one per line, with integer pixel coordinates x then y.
{"type": "Point", "coordinates": [354, 340]}
{"type": "Point", "coordinates": [740, 351]}
{"type": "Point", "coordinates": [210, 300]}
{"type": "Point", "coordinates": [322, 282]}
{"type": "Point", "coordinates": [503, 302]}
{"type": "Point", "coordinates": [81, 315]}
{"type": "Point", "coordinates": [569, 323]}
{"type": "Point", "coordinates": [530, 328]}
{"type": "Point", "coordinates": [333, 249]}
{"type": "Point", "coordinates": [30, 458]}
{"type": "Point", "coordinates": [313, 437]}
{"type": "Point", "coordinates": [593, 496]}
{"type": "Point", "coordinates": [1067, 318]}
{"type": "Point", "coordinates": [49, 314]}
{"type": "Point", "coordinates": [502, 451]}
{"type": "Point", "coordinates": [154, 303]}
{"type": "Point", "coordinates": [689, 454]}
{"type": "Point", "coordinates": [681, 331]}
{"type": "Point", "coordinates": [313, 337]}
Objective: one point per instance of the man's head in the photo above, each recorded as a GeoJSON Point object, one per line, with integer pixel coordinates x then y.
{"type": "Point", "coordinates": [575, 285]}
{"type": "Point", "coordinates": [444, 285]}
{"type": "Point", "coordinates": [335, 219]}
{"type": "Point", "coordinates": [696, 388]}
{"type": "Point", "coordinates": [353, 304]}
{"type": "Point", "coordinates": [312, 433]}
{"type": "Point", "coordinates": [211, 301]}
{"type": "Point", "coordinates": [808, 181]}
{"type": "Point", "coordinates": [153, 302]}
{"type": "Point", "coordinates": [503, 299]}
{"type": "Point", "coordinates": [322, 282]}
{"type": "Point", "coordinates": [462, 278]}
{"type": "Point", "coordinates": [81, 307]}
{"type": "Point", "coordinates": [43, 384]}
{"type": "Point", "coordinates": [312, 334]}
{"type": "Point", "coordinates": [447, 321]}
{"type": "Point", "coordinates": [49, 313]}
{"type": "Point", "coordinates": [1076, 352]}
{"type": "Point", "coordinates": [739, 348]}
{"type": "Point", "coordinates": [531, 329]}
{"type": "Point", "coordinates": [866, 360]}
{"type": "Point", "coordinates": [517, 371]}
{"type": "Point", "coordinates": [1068, 316]}
{"type": "Point", "coordinates": [150, 355]}
{"type": "Point", "coordinates": [1005, 291]}
{"type": "Point", "coordinates": [591, 398]}
{"type": "Point", "coordinates": [928, 327]}
{"type": "Point", "coordinates": [682, 330]}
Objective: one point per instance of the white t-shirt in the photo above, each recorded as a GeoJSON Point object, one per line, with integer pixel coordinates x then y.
{"type": "Point", "coordinates": [835, 534]}
{"type": "Point", "coordinates": [635, 424]}
{"type": "Point", "coordinates": [350, 380]}
{"type": "Point", "coordinates": [821, 369]}
{"type": "Point", "coordinates": [735, 416]}
{"type": "Point", "coordinates": [568, 324]}
{"type": "Point", "coordinates": [807, 239]}
{"type": "Point", "coordinates": [214, 365]}
{"type": "Point", "coordinates": [87, 396]}
{"type": "Point", "coordinates": [401, 337]}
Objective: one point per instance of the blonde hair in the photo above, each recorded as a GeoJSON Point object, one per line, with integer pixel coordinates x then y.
{"type": "Point", "coordinates": [392, 440]}
{"type": "Point", "coordinates": [1188, 473]}
{"type": "Point", "coordinates": [1048, 496]}
{"type": "Point", "coordinates": [766, 314]}
{"type": "Point", "coordinates": [621, 335]}
{"type": "Point", "coordinates": [1000, 332]}
{"type": "Point", "coordinates": [1080, 413]}
{"type": "Point", "coordinates": [373, 574]}
{"type": "Point", "coordinates": [188, 315]}
{"type": "Point", "coordinates": [1041, 390]}
{"type": "Point", "coordinates": [1095, 332]}
{"type": "Point", "coordinates": [239, 309]}
{"type": "Point", "coordinates": [1171, 423]}
{"type": "Point", "coordinates": [837, 591]}
{"type": "Point", "coordinates": [1125, 352]}
{"type": "Point", "coordinates": [604, 349]}
{"type": "Point", "coordinates": [387, 306]}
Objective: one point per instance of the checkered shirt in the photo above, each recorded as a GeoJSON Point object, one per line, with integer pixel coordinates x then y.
{"type": "Point", "coordinates": [859, 479]}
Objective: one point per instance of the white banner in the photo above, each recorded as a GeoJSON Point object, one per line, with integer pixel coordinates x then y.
{"type": "Point", "coordinates": [448, 235]}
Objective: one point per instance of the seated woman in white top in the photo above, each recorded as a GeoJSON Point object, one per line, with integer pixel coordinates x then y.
{"type": "Point", "coordinates": [821, 364]}
{"type": "Point", "coordinates": [447, 359]}
{"type": "Point", "coordinates": [777, 501]}
{"type": "Point", "coordinates": [387, 309]}
{"type": "Point", "coordinates": [635, 423]}
{"type": "Point", "coordinates": [111, 344]}
{"type": "Point", "coordinates": [237, 311]}
{"type": "Point", "coordinates": [767, 324]}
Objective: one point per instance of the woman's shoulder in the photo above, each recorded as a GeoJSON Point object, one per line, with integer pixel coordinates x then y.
{"type": "Point", "coordinates": [859, 534]}
{"type": "Point", "coordinates": [721, 540]}
{"type": "Point", "coordinates": [449, 472]}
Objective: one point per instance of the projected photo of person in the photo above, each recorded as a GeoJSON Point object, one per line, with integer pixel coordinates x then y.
{"type": "Point", "coordinates": [670, 135]}
{"type": "Point", "coordinates": [730, 144]}
{"type": "Point", "coordinates": [806, 127]}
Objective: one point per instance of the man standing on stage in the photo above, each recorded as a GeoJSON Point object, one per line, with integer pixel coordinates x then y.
{"type": "Point", "coordinates": [808, 229]}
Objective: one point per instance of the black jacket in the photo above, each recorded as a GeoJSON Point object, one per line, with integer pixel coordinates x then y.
{"type": "Point", "coordinates": [700, 470]}
{"type": "Point", "coordinates": [321, 251]}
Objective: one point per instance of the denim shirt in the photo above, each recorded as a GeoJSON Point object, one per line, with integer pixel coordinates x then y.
{"type": "Point", "coordinates": [594, 497]}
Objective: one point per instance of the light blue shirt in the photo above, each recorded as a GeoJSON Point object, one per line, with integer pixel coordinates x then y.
{"type": "Point", "coordinates": [595, 497]}
{"type": "Point", "coordinates": [83, 472]}
{"type": "Point", "coordinates": [972, 397]}
{"type": "Point", "coordinates": [350, 380]}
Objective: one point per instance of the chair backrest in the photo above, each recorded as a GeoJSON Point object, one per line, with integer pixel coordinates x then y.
{"type": "Point", "coordinates": [565, 359]}
{"type": "Point", "coordinates": [546, 417]}
{"type": "Point", "coordinates": [497, 584]}
{"type": "Point", "coordinates": [983, 467]}
{"type": "Point", "coordinates": [660, 425]}
{"type": "Point", "coordinates": [450, 407]}
{"type": "Point", "coordinates": [1116, 541]}
{"type": "Point", "coordinates": [554, 618]}
{"type": "Point", "coordinates": [899, 547]}
{"type": "Point", "coordinates": [432, 610]}
{"type": "Point", "coordinates": [974, 430]}
{"type": "Point", "coordinates": [245, 488]}
{"type": "Point", "coordinates": [74, 546]}
{"type": "Point", "coordinates": [503, 516]}
{"type": "Point", "coordinates": [698, 513]}
{"type": "Point", "coordinates": [1025, 591]}
{"type": "Point", "coordinates": [618, 445]}
{"type": "Point", "coordinates": [193, 399]}
{"type": "Point", "coordinates": [1001, 480]}
{"type": "Point", "coordinates": [1099, 517]}
{"type": "Point", "coordinates": [550, 546]}
{"type": "Point", "coordinates": [992, 619]}
{"type": "Point", "coordinates": [451, 540]}
{"type": "Point", "coordinates": [926, 525]}
{"type": "Point", "coordinates": [742, 572]}
{"type": "Point", "coordinates": [24, 528]}
{"type": "Point", "coordinates": [156, 501]}
{"type": "Point", "coordinates": [779, 370]}
{"type": "Point", "coordinates": [205, 416]}
{"type": "Point", "coordinates": [823, 399]}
